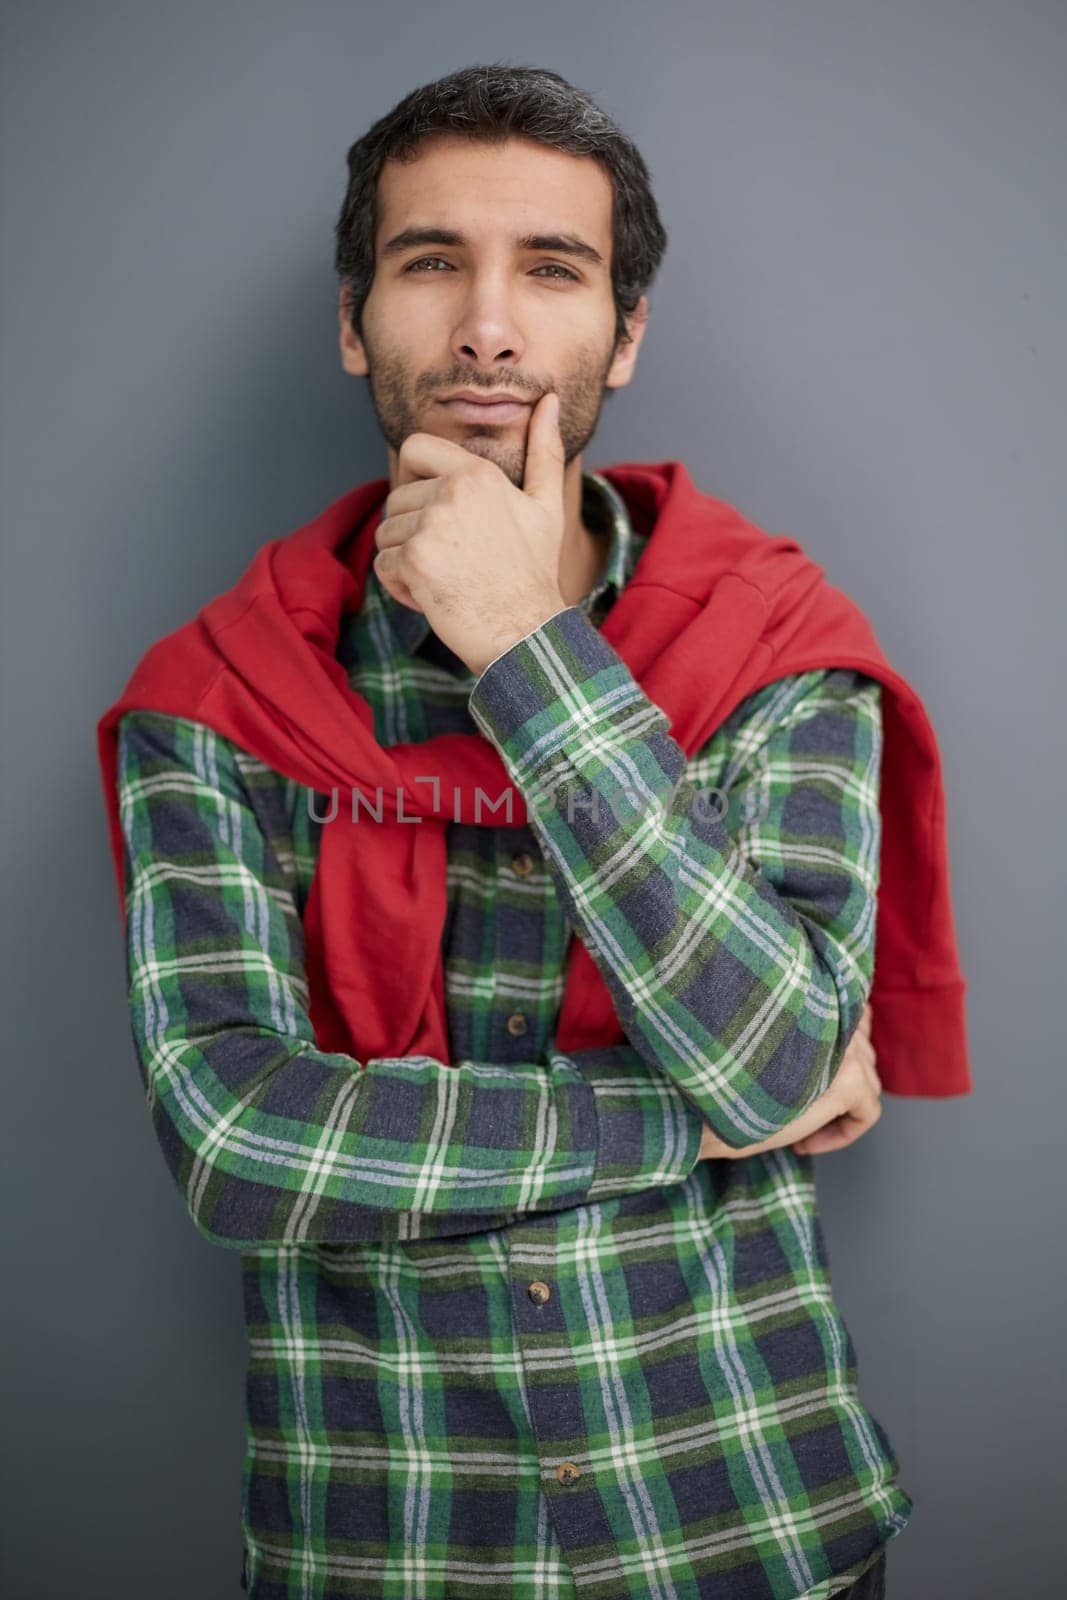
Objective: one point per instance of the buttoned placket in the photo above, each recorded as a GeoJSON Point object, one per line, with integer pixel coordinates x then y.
{"type": "Point", "coordinates": [532, 1301]}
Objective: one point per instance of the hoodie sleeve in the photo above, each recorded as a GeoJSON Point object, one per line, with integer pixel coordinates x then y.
{"type": "Point", "coordinates": [273, 1141]}
{"type": "Point", "coordinates": [728, 902]}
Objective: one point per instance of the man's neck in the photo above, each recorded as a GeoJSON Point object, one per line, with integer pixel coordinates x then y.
{"type": "Point", "coordinates": [584, 554]}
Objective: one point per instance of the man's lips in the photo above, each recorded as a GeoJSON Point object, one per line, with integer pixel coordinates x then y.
{"type": "Point", "coordinates": [486, 410]}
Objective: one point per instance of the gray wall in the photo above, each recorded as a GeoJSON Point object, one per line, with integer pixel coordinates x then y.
{"type": "Point", "coordinates": [857, 337]}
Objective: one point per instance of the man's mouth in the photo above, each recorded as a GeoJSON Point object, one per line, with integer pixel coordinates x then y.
{"type": "Point", "coordinates": [489, 410]}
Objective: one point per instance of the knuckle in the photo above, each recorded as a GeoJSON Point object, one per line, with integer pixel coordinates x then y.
{"type": "Point", "coordinates": [459, 486]}
{"type": "Point", "coordinates": [415, 557]}
{"type": "Point", "coordinates": [428, 516]}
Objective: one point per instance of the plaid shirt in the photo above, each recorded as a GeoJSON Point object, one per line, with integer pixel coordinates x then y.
{"type": "Point", "coordinates": [507, 1334]}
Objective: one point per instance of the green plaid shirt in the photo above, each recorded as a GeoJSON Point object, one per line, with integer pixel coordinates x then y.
{"type": "Point", "coordinates": [507, 1335]}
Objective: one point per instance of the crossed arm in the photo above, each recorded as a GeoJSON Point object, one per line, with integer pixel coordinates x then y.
{"type": "Point", "coordinates": [739, 953]}
{"type": "Point", "coordinates": [738, 944]}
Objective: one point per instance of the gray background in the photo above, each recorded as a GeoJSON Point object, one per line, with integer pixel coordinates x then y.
{"type": "Point", "coordinates": [857, 337]}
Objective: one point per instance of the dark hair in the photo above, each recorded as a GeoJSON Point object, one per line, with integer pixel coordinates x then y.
{"type": "Point", "coordinates": [492, 103]}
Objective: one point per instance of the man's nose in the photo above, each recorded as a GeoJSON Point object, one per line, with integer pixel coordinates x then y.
{"type": "Point", "coordinates": [488, 330]}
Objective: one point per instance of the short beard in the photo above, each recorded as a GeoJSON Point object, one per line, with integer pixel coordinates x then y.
{"type": "Point", "coordinates": [397, 395]}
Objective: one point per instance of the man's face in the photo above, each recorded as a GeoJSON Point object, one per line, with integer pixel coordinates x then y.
{"type": "Point", "coordinates": [498, 312]}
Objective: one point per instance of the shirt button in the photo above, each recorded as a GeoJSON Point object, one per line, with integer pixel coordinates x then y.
{"type": "Point", "coordinates": [522, 863]}
{"type": "Point", "coordinates": [568, 1473]}
{"type": "Point", "coordinates": [516, 1023]}
{"type": "Point", "coordinates": [539, 1292]}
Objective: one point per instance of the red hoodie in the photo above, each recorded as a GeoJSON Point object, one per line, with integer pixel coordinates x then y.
{"type": "Point", "coordinates": [715, 609]}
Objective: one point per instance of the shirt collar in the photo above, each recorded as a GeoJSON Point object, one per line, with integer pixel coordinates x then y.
{"type": "Point", "coordinates": [602, 509]}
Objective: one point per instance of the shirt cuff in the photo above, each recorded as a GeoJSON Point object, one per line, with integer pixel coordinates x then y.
{"type": "Point", "coordinates": [545, 690]}
{"type": "Point", "coordinates": [648, 1134]}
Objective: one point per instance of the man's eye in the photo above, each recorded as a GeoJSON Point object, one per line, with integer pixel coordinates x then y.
{"type": "Point", "coordinates": [549, 266]}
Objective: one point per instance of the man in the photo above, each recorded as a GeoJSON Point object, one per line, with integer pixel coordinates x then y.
{"type": "Point", "coordinates": [511, 1119]}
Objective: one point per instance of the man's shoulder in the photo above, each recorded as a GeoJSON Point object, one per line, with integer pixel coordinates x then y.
{"type": "Point", "coordinates": [797, 696]}
{"type": "Point", "coordinates": [151, 741]}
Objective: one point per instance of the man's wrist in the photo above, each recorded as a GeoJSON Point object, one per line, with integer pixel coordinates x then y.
{"type": "Point", "coordinates": [520, 625]}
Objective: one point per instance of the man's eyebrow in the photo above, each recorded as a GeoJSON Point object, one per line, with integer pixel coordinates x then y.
{"type": "Point", "coordinates": [564, 244]}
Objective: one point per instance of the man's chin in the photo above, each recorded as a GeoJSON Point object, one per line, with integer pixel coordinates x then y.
{"type": "Point", "coordinates": [510, 458]}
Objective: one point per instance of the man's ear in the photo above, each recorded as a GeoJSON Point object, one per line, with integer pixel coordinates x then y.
{"type": "Point", "coordinates": [353, 355]}
{"type": "Point", "coordinates": [622, 367]}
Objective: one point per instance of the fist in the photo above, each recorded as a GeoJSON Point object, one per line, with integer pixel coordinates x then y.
{"type": "Point", "coordinates": [459, 542]}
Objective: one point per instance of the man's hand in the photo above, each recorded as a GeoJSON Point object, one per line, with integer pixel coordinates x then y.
{"type": "Point", "coordinates": [849, 1108]}
{"type": "Point", "coordinates": [459, 542]}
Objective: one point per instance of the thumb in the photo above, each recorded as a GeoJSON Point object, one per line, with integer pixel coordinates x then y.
{"type": "Point", "coordinates": [543, 477]}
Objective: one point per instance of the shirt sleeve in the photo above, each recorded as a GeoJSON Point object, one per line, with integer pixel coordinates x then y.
{"type": "Point", "coordinates": [733, 926]}
{"type": "Point", "coordinates": [274, 1141]}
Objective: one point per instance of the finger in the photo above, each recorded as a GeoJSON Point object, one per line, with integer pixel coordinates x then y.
{"type": "Point", "coordinates": [835, 1135]}
{"type": "Point", "coordinates": [543, 478]}
{"type": "Point", "coordinates": [411, 496]}
{"type": "Point", "coordinates": [865, 1021]}
{"type": "Point", "coordinates": [844, 1129]}
{"type": "Point", "coordinates": [818, 1144]}
{"type": "Point", "coordinates": [384, 565]}
{"type": "Point", "coordinates": [397, 530]}
{"type": "Point", "coordinates": [870, 1073]}
{"type": "Point", "coordinates": [425, 455]}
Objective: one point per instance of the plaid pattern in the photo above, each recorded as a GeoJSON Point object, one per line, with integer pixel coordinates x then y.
{"type": "Point", "coordinates": [507, 1335]}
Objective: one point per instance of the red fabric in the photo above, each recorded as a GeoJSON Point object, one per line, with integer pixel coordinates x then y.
{"type": "Point", "coordinates": [715, 609]}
